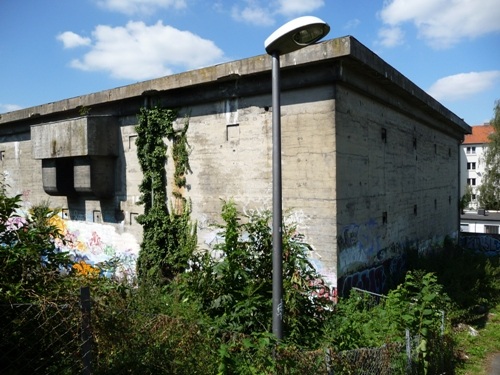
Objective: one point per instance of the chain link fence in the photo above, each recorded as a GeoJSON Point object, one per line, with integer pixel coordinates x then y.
{"type": "Point", "coordinates": [73, 338]}
{"type": "Point", "coordinates": [42, 338]}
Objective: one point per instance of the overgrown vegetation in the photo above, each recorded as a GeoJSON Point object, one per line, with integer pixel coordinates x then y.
{"type": "Point", "coordinates": [235, 289]}
{"type": "Point", "coordinates": [168, 235]}
{"type": "Point", "coordinates": [215, 319]}
{"type": "Point", "coordinates": [477, 344]}
{"type": "Point", "coordinates": [210, 312]}
{"type": "Point", "coordinates": [31, 267]}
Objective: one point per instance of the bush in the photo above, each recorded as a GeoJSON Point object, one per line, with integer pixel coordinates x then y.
{"type": "Point", "coordinates": [31, 267]}
{"type": "Point", "coordinates": [236, 290]}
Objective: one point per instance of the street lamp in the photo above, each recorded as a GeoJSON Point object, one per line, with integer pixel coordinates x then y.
{"type": "Point", "coordinates": [290, 37]}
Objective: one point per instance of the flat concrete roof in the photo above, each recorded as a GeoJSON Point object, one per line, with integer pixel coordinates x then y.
{"type": "Point", "coordinates": [340, 48]}
{"type": "Point", "coordinates": [475, 216]}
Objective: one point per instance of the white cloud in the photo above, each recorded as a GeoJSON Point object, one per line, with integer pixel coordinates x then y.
{"type": "Point", "coordinates": [298, 7]}
{"type": "Point", "coordinates": [352, 24]}
{"type": "Point", "coordinates": [71, 40]}
{"type": "Point", "coordinates": [463, 85]}
{"type": "Point", "coordinates": [138, 51]}
{"type": "Point", "coordinates": [140, 6]}
{"type": "Point", "coordinates": [444, 23]}
{"type": "Point", "coordinates": [253, 14]}
{"type": "Point", "coordinates": [9, 107]}
{"type": "Point", "coordinates": [390, 36]}
{"type": "Point", "coordinates": [263, 13]}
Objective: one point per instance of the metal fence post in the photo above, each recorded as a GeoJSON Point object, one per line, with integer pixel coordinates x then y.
{"type": "Point", "coordinates": [328, 361]}
{"type": "Point", "coordinates": [86, 333]}
{"type": "Point", "coordinates": [408, 352]}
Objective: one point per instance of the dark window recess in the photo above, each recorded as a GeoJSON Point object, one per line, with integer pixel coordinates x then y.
{"type": "Point", "coordinates": [131, 142]}
{"type": "Point", "coordinates": [384, 217]}
{"type": "Point", "coordinates": [415, 210]}
{"type": "Point", "coordinates": [232, 132]}
{"type": "Point", "coordinates": [58, 176]}
{"type": "Point", "coordinates": [133, 218]}
{"type": "Point", "coordinates": [491, 229]}
{"type": "Point", "coordinates": [384, 135]}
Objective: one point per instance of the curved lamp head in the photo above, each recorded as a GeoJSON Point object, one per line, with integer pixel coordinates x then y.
{"type": "Point", "coordinates": [296, 34]}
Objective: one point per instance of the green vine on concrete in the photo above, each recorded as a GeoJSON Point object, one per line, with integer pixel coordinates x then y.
{"type": "Point", "coordinates": [169, 237]}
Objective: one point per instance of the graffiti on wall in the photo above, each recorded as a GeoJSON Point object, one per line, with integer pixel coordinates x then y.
{"type": "Point", "coordinates": [358, 245]}
{"type": "Point", "coordinates": [376, 279]}
{"type": "Point", "coordinates": [100, 247]}
{"type": "Point", "coordinates": [488, 244]}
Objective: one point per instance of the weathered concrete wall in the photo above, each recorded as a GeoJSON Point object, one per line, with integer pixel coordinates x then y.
{"type": "Point", "coordinates": [355, 195]}
{"type": "Point", "coordinates": [231, 159]}
{"type": "Point", "coordinates": [397, 183]}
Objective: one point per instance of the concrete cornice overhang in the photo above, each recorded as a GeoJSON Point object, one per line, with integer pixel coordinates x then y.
{"type": "Point", "coordinates": [345, 50]}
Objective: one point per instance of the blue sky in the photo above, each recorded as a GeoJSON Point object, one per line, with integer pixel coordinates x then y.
{"type": "Point", "coordinates": [56, 49]}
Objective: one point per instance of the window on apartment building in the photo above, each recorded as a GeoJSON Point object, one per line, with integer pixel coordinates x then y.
{"type": "Point", "coordinates": [491, 229]}
{"type": "Point", "coordinates": [471, 166]}
{"type": "Point", "coordinates": [473, 197]}
{"type": "Point", "coordinates": [471, 150]}
{"type": "Point", "coordinates": [471, 181]}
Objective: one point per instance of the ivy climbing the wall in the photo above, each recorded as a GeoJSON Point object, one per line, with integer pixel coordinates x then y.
{"type": "Point", "coordinates": [169, 237]}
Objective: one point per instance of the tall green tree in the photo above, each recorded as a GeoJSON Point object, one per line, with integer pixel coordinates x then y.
{"type": "Point", "coordinates": [489, 190]}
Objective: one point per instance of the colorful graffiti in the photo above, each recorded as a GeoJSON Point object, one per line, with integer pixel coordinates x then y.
{"type": "Point", "coordinates": [376, 279]}
{"type": "Point", "coordinates": [98, 246]}
{"type": "Point", "coordinates": [488, 244]}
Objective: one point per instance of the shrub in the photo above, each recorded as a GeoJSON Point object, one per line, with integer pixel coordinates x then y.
{"type": "Point", "coordinates": [236, 290]}
{"type": "Point", "coordinates": [30, 264]}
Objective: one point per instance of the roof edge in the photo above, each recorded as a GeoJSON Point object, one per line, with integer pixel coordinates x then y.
{"type": "Point", "coordinates": [346, 46]}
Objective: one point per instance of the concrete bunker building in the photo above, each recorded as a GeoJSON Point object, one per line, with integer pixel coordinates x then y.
{"type": "Point", "coordinates": [370, 161]}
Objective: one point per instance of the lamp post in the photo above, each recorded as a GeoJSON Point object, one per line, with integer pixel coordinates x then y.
{"type": "Point", "coordinates": [290, 37]}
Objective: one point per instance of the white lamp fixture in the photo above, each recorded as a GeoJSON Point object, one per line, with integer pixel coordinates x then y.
{"type": "Point", "coordinates": [290, 37]}
{"type": "Point", "coordinates": [296, 34]}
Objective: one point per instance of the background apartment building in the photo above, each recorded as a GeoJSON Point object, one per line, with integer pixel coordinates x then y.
{"type": "Point", "coordinates": [472, 161]}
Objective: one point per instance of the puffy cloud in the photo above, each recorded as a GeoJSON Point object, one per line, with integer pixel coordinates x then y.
{"type": "Point", "coordinates": [72, 40]}
{"type": "Point", "coordinates": [138, 51]}
{"type": "Point", "coordinates": [390, 36]}
{"type": "Point", "coordinates": [298, 7]}
{"type": "Point", "coordinates": [463, 85]}
{"type": "Point", "coordinates": [262, 13]}
{"type": "Point", "coordinates": [352, 24]}
{"type": "Point", "coordinates": [253, 14]}
{"type": "Point", "coordinates": [443, 23]}
{"type": "Point", "coordinates": [140, 6]}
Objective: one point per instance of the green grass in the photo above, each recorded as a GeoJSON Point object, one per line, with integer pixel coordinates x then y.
{"type": "Point", "coordinates": [476, 351]}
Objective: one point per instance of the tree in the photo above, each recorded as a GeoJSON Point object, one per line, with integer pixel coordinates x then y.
{"type": "Point", "coordinates": [466, 198]}
{"type": "Point", "coordinates": [490, 186]}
